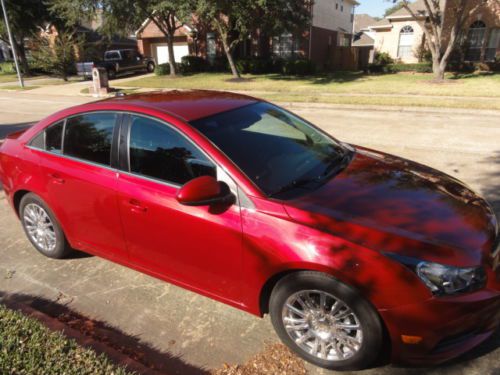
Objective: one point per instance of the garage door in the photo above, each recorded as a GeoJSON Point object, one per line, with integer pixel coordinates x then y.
{"type": "Point", "coordinates": [179, 52]}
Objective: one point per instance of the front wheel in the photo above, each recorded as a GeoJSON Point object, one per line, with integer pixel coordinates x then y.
{"type": "Point", "coordinates": [325, 321]}
{"type": "Point", "coordinates": [150, 67]}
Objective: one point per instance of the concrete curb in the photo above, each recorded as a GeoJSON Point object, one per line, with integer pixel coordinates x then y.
{"type": "Point", "coordinates": [54, 324]}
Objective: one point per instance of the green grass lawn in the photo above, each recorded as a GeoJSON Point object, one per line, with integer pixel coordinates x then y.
{"type": "Point", "coordinates": [27, 347]}
{"type": "Point", "coordinates": [405, 89]}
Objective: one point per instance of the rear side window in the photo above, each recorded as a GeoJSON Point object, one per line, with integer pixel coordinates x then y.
{"type": "Point", "coordinates": [89, 137]}
{"type": "Point", "coordinates": [160, 152]}
{"type": "Point", "coordinates": [50, 139]}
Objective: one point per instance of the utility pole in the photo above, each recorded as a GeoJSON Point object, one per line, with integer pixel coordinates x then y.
{"type": "Point", "coordinates": [12, 45]}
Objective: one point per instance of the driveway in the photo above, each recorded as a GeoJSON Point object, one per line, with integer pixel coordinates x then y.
{"type": "Point", "coordinates": [202, 333]}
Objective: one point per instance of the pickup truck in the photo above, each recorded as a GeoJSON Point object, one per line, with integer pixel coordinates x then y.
{"type": "Point", "coordinates": [116, 62]}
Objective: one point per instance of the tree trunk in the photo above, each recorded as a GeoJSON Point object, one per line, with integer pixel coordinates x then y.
{"type": "Point", "coordinates": [171, 56]}
{"type": "Point", "coordinates": [21, 54]}
{"type": "Point", "coordinates": [229, 56]}
{"type": "Point", "coordinates": [438, 69]}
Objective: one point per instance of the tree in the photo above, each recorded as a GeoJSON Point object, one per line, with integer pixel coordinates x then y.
{"type": "Point", "coordinates": [393, 9]}
{"type": "Point", "coordinates": [125, 16]}
{"type": "Point", "coordinates": [235, 20]}
{"type": "Point", "coordinates": [56, 54]}
{"type": "Point", "coordinates": [442, 23]}
{"type": "Point", "coordinates": [26, 18]}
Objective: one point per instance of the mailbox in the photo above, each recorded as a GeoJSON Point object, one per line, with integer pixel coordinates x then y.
{"type": "Point", "coordinates": [100, 85]}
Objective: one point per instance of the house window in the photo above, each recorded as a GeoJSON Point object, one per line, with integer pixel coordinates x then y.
{"type": "Point", "coordinates": [406, 36]}
{"type": "Point", "coordinates": [493, 45]}
{"type": "Point", "coordinates": [337, 6]}
{"type": "Point", "coordinates": [286, 45]}
{"type": "Point", "coordinates": [475, 40]}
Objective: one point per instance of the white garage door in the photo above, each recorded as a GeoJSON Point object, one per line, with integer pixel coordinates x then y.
{"type": "Point", "coordinates": [179, 52]}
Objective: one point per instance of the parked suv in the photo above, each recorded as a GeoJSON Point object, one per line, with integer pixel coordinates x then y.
{"type": "Point", "coordinates": [116, 62]}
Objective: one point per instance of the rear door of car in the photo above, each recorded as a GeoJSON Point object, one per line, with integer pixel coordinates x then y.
{"type": "Point", "coordinates": [81, 181]}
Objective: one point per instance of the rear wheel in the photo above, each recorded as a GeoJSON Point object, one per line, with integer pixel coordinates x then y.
{"type": "Point", "coordinates": [111, 73]}
{"type": "Point", "coordinates": [150, 67]}
{"type": "Point", "coordinates": [42, 228]}
{"type": "Point", "coordinates": [325, 321]}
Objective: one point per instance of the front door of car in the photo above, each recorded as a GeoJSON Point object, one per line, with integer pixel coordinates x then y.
{"type": "Point", "coordinates": [196, 247]}
{"type": "Point", "coordinates": [81, 185]}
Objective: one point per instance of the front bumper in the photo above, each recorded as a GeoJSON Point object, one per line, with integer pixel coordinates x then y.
{"type": "Point", "coordinates": [448, 326]}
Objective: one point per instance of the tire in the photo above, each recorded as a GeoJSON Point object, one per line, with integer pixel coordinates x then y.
{"type": "Point", "coordinates": [30, 205]}
{"type": "Point", "coordinates": [325, 346]}
{"type": "Point", "coordinates": [150, 67]}
{"type": "Point", "coordinates": [111, 73]}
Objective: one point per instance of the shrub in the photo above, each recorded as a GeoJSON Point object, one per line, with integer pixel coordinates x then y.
{"type": "Point", "coordinates": [7, 67]}
{"type": "Point", "coordinates": [382, 58]}
{"type": "Point", "coordinates": [193, 64]}
{"type": "Point", "coordinates": [298, 67]}
{"type": "Point", "coordinates": [419, 68]}
{"type": "Point", "coordinates": [255, 66]}
{"type": "Point", "coordinates": [481, 67]}
{"type": "Point", "coordinates": [219, 64]}
{"type": "Point", "coordinates": [162, 69]}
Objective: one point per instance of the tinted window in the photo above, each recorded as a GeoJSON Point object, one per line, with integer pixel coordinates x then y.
{"type": "Point", "coordinates": [113, 55]}
{"type": "Point", "coordinates": [89, 137]}
{"type": "Point", "coordinates": [160, 152]}
{"type": "Point", "coordinates": [126, 54]}
{"type": "Point", "coordinates": [38, 141]}
{"type": "Point", "coordinates": [278, 151]}
{"type": "Point", "coordinates": [53, 137]}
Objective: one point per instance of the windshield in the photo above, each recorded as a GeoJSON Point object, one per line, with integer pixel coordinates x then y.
{"type": "Point", "coordinates": [281, 153]}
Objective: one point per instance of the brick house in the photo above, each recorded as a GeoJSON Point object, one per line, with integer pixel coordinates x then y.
{"type": "Point", "coordinates": [332, 25]}
{"type": "Point", "coordinates": [401, 36]}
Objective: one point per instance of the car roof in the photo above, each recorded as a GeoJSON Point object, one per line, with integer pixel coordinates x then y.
{"type": "Point", "coordinates": [188, 105]}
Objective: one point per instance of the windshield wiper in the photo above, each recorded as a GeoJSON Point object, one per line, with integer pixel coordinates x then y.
{"type": "Point", "coordinates": [337, 164]}
{"type": "Point", "coordinates": [295, 184]}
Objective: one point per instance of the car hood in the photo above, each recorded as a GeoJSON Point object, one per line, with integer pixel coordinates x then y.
{"type": "Point", "coordinates": [390, 204]}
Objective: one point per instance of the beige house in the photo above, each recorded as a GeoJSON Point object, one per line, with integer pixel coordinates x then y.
{"type": "Point", "coordinates": [402, 37]}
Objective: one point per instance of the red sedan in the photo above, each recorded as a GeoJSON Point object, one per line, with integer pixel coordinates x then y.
{"type": "Point", "coordinates": [351, 251]}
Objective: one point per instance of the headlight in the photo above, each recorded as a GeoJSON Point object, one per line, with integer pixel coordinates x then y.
{"type": "Point", "coordinates": [442, 279]}
{"type": "Point", "coordinates": [446, 280]}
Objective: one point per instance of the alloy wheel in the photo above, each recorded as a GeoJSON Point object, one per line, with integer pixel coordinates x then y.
{"type": "Point", "coordinates": [322, 325]}
{"type": "Point", "coordinates": [40, 227]}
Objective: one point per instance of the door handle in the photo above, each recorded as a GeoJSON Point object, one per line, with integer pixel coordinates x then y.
{"type": "Point", "coordinates": [137, 206]}
{"type": "Point", "coordinates": [56, 177]}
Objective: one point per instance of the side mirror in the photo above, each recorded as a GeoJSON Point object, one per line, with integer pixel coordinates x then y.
{"type": "Point", "coordinates": [205, 191]}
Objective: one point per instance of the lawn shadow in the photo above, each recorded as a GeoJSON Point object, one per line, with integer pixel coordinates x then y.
{"type": "Point", "coordinates": [6, 129]}
{"type": "Point", "coordinates": [104, 335]}
{"type": "Point", "coordinates": [322, 79]}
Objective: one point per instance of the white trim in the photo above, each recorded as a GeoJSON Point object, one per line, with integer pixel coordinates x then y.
{"type": "Point", "coordinates": [409, 16]}
{"type": "Point", "coordinates": [148, 20]}
{"type": "Point", "coordinates": [389, 26]}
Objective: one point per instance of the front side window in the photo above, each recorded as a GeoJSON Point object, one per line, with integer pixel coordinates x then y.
{"type": "Point", "coordinates": [157, 151]}
{"type": "Point", "coordinates": [278, 151]}
{"type": "Point", "coordinates": [89, 137]}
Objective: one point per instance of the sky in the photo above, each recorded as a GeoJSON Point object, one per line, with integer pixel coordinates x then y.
{"type": "Point", "coordinates": [374, 8]}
